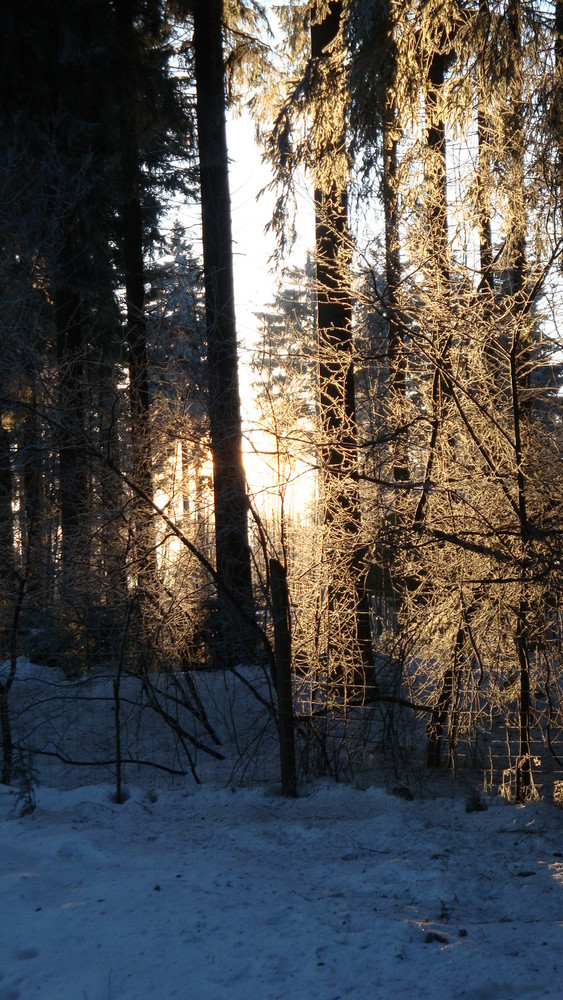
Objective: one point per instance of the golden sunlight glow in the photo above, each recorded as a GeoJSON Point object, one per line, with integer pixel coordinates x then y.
{"type": "Point", "coordinates": [280, 483]}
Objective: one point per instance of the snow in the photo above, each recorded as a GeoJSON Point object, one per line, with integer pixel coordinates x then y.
{"type": "Point", "coordinates": [213, 891]}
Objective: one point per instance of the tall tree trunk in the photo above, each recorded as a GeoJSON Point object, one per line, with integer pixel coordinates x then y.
{"type": "Point", "coordinates": [437, 262]}
{"type": "Point", "coordinates": [396, 348]}
{"type": "Point", "coordinates": [348, 598]}
{"type": "Point", "coordinates": [34, 460]}
{"type": "Point", "coordinates": [133, 257]}
{"type": "Point", "coordinates": [439, 284]}
{"type": "Point", "coordinates": [7, 551]}
{"type": "Point", "coordinates": [6, 684]}
{"type": "Point", "coordinates": [112, 535]}
{"type": "Point", "coordinates": [484, 172]}
{"type": "Point", "coordinates": [516, 225]}
{"type": "Point", "coordinates": [282, 631]}
{"type": "Point", "coordinates": [6, 512]}
{"type": "Point", "coordinates": [437, 177]}
{"type": "Point", "coordinates": [484, 193]}
{"type": "Point", "coordinates": [436, 725]}
{"type": "Point", "coordinates": [519, 372]}
{"type": "Point", "coordinates": [484, 210]}
{"type": "Point", "coordinates": [229, 481]}
{"type": "Point", "coordinates": [73, 478]}
{"type": "Point", "coordinates": [558, 102]}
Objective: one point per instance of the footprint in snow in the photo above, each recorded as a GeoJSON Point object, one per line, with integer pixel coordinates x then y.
{"type": "Point", "coordinates": [23, 954]}
{"type": "Point", "coordinates": [9, 993]}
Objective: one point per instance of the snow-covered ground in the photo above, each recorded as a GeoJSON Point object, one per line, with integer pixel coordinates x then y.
{"type": "Point", "coordinates": [216, 891]}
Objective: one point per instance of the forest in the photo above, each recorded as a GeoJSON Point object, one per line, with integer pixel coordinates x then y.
{"type": "Point", "coordinates": [389, 591]}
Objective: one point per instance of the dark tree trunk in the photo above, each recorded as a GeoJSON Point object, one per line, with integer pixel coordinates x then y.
{"type": "Point", "coordinates": [5, 686]}
{"type": "Point", "coordinates": [36, 469]}
{"type": "Point", "coordinates": [6, 735]}
{"type": "Point", "coordinates": [7, 551]}
{"type": "Point", "coordinates": [484, 189]}
{"type": "Point", "coordinates": [348, 598]}
{"type": "Point", "coordinates": [112, 533]}
{"type": "Point", "coordinates": [229, 481]}
{"type": "Point", "coordinates": [484, 173]}
{"type": "Point", "coordinates": [519, 356]}
{"type": "Point", "coordinates": [29, 455]}
{"type": "Point", "coordinates": [438, 266]}
{"type": "Point", "coordinates": [515, 147]}
{"type": "Point", "coordinates": [445, 702]}
{"type": "Point", "coordinates": [485, 229]}
{"type": "Point", "coordinates": [7, 594]}
{"type": "Point", "coordinates": [524, 777]}
{"type": "Point", "coordinates": [72, 464]}
{"type": "Point", "coordinates": [282, 632]}
{"type": "Point", "coordinates": [6, 510]}
{"type": "Point", "coordinates": [558, 102]}
{"type": "Point", "coordinates": [436, 170]}
{"type": "Point", "coordinates": [396, 347]}
{"type": "Point", "coordinates": [439, 283]}
{"type": "Point", "coordinates": [133, 259]}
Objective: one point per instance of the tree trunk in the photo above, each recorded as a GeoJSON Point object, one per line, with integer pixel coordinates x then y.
{"type": "Point", "coordinates": [6, 736]}
{"type": "Point", "coordinates": [348, 599]}
{"type": "Point", "coordinates": [133, 258]}
{"type": "Point", "coordinates": [282, 631]}
{"type": "Point", "coordinates": [519, 376]}
{"type": "Point", "coordinates": [484, 191]}
{"type": "Point", "coordinates": [6, 512]}
{"type": "Point", "coordinates": [439, 717]}
{"type": "Point", "coordinates": [229, 481]}
{"type": "Point", "coordinates": [112, 535]}
{"type": "Point", "coordinates": [438, 267]}
{"type": "Point", "coordinates": [34, 544]}
{"type": "Point", "coordinates": [12, 600]}
{"type": "Point", "coordinates": [484, 175]}
{"type": "Point", "coordinates": [5, 686]}
{"type": "Point", "coordinates": [437, 179]}
{"type": "Point", "coordinates": [73, 480]}
{"type": "Point", "coordinates": [558, 102]}
{"type": "Point", "coordinates": [396, 349]}
{"type": "Point", "coordinates": [515, 146]}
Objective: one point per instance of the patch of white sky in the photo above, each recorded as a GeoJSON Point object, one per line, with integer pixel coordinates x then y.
{"type": "Point", "coordinates": [255, 275]}
{"type": "Point", "coordinates": [257, 281]}
{"type": "Point", "coordinates": [253, 246]}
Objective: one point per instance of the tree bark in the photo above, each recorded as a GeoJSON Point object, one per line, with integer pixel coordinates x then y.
{"type": "Point", "coordinates": [484, 175]}
{"type": "Point", "coordinates": [348, 598]}
{"type": "Point", "coordinates": [438, 268]}
{"type": "Point", "coordinates": [444, 705]}
{"type": "Point", "coordinates": [5, 687]}
{"type": "Point", "coordinates": [282, 631]}
{"type": "Point", "coordinates": [437, 178]}
{"type": "Point", "coordinates": [519, 377]}
{"type": "Point", "coordinates": [558, 103]}
{"type": "Point", "coordinates": [229, 481]}
{"type": "Point", "coordinates": [484, 190]}
{"type": "Point", "coordinates": [133, 259]}
{"type": "Point", "coordinates": [396, 349]}
{"type": "Point", "coordinates": [73, 478]}
{"type": "Point", "coordinates": [515, 145]}
{"type": "Point", "coordinates": [6, 511]}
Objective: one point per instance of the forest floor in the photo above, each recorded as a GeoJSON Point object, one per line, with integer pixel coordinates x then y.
{"type": "Point", "coordinates": [221, 892]}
